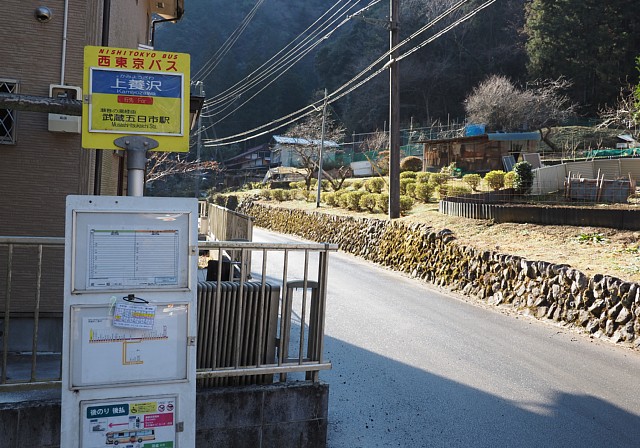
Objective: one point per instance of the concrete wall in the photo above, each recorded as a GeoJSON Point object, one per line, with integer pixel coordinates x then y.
{"type": "Point", "coordinates": [279, 416]}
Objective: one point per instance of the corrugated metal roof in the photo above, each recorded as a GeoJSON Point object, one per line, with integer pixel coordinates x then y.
{"type": "Point", "coordinates": [284, 140]}
{"type": "Point", "coordinates": [514, 136]}
{"type": "Point", "coordinates": [627, 138]}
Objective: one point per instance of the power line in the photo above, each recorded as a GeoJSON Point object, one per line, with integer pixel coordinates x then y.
{"type": "Point", "coordinates": [233, 89]}
{"type": "Point", "coordinates": [213, 62]}
{"type": "Point", "coordinates": [354, 83]}
{"type": "Point", "coordinates": [221, 102]}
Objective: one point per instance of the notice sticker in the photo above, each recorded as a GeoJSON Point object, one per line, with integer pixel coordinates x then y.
{"type": "Point", "coordinates": [128, 315]}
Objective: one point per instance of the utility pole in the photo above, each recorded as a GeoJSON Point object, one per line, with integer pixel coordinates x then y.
{"type": "Point", "coordinates": [200, 87]}
{"type": "Point", "coordinates": [324, 119]}
{"type": "Point", "coordinates": [394, 114]}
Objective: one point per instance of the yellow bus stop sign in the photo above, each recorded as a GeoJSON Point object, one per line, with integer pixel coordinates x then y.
{"type": "Point", "coordinates": [135, 92]}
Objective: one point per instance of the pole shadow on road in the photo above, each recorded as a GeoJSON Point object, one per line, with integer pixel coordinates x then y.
{"type": "Point", "coordinates": [375, 401]}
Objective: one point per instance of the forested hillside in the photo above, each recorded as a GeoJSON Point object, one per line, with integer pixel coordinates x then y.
{"type": "Point", "coordinates": [590, 42]}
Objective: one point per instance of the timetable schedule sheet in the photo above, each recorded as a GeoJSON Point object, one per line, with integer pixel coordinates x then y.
{"type": "Point", "coordinates": [132, 257]}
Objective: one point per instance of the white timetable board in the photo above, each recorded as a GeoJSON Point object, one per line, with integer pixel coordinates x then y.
{"type": "Point", "coordinates": [121, 250]}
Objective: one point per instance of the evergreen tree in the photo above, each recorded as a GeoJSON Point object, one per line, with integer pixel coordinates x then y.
{"type": "Point", "coordinates": [592, 43]}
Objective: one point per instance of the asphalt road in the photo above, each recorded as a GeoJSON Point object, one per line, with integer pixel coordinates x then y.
{"type": "Point", "coordinates": [414, 366]}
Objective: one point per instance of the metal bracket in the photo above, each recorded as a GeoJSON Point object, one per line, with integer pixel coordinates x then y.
{"type": "Point", "coordinates": [179, 426]}
{"type": "Point", "coordinates": [191, 341]}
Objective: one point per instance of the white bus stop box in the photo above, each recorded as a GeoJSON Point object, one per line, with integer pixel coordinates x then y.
{"type": "Point", "coordinates": [129, 346]}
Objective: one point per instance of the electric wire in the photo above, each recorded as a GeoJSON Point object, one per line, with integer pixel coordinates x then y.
{"type": "Point", "coordinates": [221, 102]}
{"type": "Point", "coordinates": [346, 88]}
{"type": "Point", "coordinates": [334, 95]}
{"type": "Point", "coordinates": [213, 62]}
{"type": "Point", "coordinates": [265, 86]}
{"type": "Point", "coordinates": [230, 92]}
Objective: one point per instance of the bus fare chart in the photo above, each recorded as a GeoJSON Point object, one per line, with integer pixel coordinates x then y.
{"type": "Point", "coordinates": [133, 258]}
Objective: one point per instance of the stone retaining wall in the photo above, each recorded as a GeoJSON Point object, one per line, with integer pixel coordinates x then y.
{"type": "Point", "coordinates": [604, 306]}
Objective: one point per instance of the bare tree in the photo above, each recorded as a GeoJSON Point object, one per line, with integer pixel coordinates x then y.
{"type": "Point", "coordinates": [378, 141]}
{"type": "Point", "coordinates": [164, 164]}
{"type": "Point", "coordinates": [308, 155]}
{"type": "Point", "coordinates": [502, 106]}
{"type": "Point", "coordinates": [625, 114]}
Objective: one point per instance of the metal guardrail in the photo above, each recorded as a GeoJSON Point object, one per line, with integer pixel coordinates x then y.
{"type": "Point", "coordinates": [299, 343]}
{"type": "Point", "coordinates": [11, 243]}
{"type": "Point", "coordinates": [297, 271]}
{"type": "Point", "coordinates": [227, 225]}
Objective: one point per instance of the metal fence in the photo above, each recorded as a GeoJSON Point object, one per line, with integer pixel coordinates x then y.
{"type": "Point", "coordinates": [260, 317]}
{"type": "Point", "coordinates": [22, 363]}
{"type": "Point", "coordinates": [271, 316]}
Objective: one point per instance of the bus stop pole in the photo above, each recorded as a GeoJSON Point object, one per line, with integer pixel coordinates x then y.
{"type": "Point", "coordinates": [137, 148]}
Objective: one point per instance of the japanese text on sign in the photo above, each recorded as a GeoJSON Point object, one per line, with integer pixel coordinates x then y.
{"type": "Point", "coordinates": [136, 92]}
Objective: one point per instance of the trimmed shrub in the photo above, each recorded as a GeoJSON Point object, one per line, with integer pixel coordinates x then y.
{"type": "Point", "coordinates": [374, 185]}
{"type": "Point", "coordinates": [524, 177]}
{"type": "Point", "coordinates": [438, 178]}
{"type": "Point", "coordinates": [298, 194]}
{"type": "Point", "coordinates": [356, 184]}
{"type": "Point", "coordinates": [300, 185]}
{"type": "Point", "coordinates": [443, 190]}
{"type": "Point", "coordinates": [329, 198]}
{"type": "Point", "coordinates": [220, 200]}
{"type": "Point", "coordinates": [495, 179]}
{"type": "Point", "coordinates": [411, 163]}
{"type": "Point", "coordinates": [342, 200]}
{"type": "Point", "coordinates": [403, 184]}
{"type": "Point", "coordinates": [509, 179]}
{"type": "Point", "coordinates": [265, 193]}
{"type": "Point", "coordinates": [473, 180]}
{"type": "Point", "coordinates": [410, 189]}
{"type": "Point", "coordinates": [406, 203]}
{"type": "Point", "coordinates": [280, 195]}
{"type": "Point", "coordinates": [408, 175]}
{"type": "Point", "coordinates": [353, 200]}
{"type": "Point", "coordinates": [382, 202]}
{"type": "Point", "coordinates": [311, 196]}
{"type": "Point", "coordinates": [423, 176]}
{"type": "Point", "coordinates": [456, 190]}
{"type": "Point", "coordinates": [424, 191]}
{"type": "Point", "coordinates": [368, 202]}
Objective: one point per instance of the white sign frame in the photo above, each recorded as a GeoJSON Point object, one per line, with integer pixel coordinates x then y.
{"type": "Point", "coordinates": [111, 362]}
{"type": "Point", "coordinates": [108, 211]}
{"type": "Point", "coordinates": [135, 236]}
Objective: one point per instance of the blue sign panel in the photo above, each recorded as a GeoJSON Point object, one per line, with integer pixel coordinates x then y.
{"type": "Point", "coordinates": [137, 84]}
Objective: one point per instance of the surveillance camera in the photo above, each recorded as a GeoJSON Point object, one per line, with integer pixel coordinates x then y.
{"type": "Point", "coordinates": [43, 14]}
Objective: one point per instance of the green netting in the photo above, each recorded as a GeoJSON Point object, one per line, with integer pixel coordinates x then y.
{"type": "Point", "coordinates": [613, 152]}
{"type": "Point", "coordinates": [411, 150]}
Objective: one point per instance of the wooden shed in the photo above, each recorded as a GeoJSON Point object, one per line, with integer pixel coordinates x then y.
{"type": "Point", "coordinates": [478, 153]}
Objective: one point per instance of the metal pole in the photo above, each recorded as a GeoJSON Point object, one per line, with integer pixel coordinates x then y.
{"type": "Point", "coordinates": [199, 144]}
{"type": "Point", "coordinates": [394, 116]}
{"type": "Point", "coordinates": [106, 18]}
{"type": "Point", "coordinates": [136, 147]}
{"type": "Point", "coordinates": [324, 118]}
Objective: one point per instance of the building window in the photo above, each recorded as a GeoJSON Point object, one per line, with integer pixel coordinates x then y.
{"type": "Point", "coordinates": [8, 116]}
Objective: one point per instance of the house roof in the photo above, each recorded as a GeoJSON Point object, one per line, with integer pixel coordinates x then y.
{"type": "Point", "coordinates": [262, 147]}
{"type": "Point", "coordinates": [627, 138]}
{"type": "Point", "coordinates": [284, 140]}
